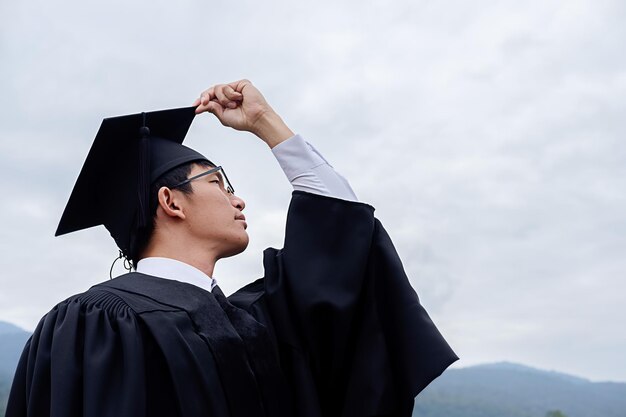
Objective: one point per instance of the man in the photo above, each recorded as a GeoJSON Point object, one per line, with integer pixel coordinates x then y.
{"type": "Point", "coordinates": [333, 329]}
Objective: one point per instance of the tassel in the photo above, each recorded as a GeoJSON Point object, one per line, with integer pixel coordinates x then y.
{"type": "Point", "coordinates": [143, 188]}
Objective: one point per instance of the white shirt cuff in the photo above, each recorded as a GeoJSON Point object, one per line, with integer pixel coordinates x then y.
{"type": "Point", "coordinates": [308, 170]}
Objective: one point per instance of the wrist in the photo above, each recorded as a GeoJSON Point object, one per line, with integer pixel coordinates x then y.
{"type": "Point", "coordinates": [271, 129]}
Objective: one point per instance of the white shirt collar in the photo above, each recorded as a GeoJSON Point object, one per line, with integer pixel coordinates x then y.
{"type": "Point", "coordinates": [176, 270]}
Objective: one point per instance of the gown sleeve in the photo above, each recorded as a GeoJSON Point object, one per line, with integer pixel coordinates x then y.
{"type": "Point", "coordinates": [353, 337]}
{"type": "Point", "coordinates": [86, 358]}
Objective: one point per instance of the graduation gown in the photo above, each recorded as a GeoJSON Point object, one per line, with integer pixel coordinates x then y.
{"type": "Point", "coordinates": [332, 329]}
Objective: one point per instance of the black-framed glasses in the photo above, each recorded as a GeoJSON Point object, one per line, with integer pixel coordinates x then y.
{"type": "Point", "coordinates": [221, 176]}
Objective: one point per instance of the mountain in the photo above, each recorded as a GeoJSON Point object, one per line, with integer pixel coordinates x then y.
{"type": "Point", "coordinates": [8, 328]}
{"type": "Point", "coordinates": [12, 340]}
{"type": "Point", "coordinates": [513, 390]}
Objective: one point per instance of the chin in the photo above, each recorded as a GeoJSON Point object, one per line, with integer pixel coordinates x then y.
{"type": "Point", "coordinates": [237, 247]}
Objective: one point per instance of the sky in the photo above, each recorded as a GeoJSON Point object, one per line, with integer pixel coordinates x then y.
{"type": "Point", "coordinates": [489, 137]}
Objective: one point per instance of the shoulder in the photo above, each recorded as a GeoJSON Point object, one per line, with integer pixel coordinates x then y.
{"type": "Point", "coordinates": [135, 291]}
{"type": "Point", "coordinates": [95, 299]}
{"type": "Point", "coordinates": [107, 300]}
{"type": "Point", "coordinates": [101, 298]}
{"type": "Point", "coordinates": [96, 317]}
{"type": "Point", "coordinates": [90, 314]}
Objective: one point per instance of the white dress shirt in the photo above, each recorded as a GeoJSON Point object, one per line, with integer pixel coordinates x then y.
{"type": "Point", "coordinates": [305, 168]}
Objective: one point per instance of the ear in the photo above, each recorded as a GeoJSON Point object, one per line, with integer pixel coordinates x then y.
{"type": "Point", "coordinates": [171, 203]}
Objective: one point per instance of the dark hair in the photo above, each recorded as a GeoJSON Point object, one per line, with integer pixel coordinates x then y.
{"type": "Point", "coordinates": [168, 179]}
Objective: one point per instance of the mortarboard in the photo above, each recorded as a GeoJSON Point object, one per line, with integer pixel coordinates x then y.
{"type": "Point", "coordinates": [127, 155]}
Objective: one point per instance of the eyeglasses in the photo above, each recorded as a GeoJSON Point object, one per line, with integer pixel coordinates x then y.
{"type": "Point", "coordinates": [221, 176]}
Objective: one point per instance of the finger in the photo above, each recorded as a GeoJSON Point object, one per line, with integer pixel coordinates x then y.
{"type": "Point", "coordinates": [231, 94]}
{"type": "Point", "coordinates": [207, 95]}
{"type": "Point", "coordinates": [219, 94]}
{"type": "Point", "coordinates": [201, 109]}
{"type": "Point", "coordinates": [196, 102]}
{"type": "Point", "coordinates": [239, 85]}
{"type": "Point", "coordinates": [215, 108]}
{"type": "Point", "coordinates": [202, 104]}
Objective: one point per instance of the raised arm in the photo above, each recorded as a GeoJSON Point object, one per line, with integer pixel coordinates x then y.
{"type": "Point", "coordinates": [241, 105]}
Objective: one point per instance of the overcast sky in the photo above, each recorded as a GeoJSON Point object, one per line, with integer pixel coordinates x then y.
{"type": "Point", "coordinates": [488, 135]}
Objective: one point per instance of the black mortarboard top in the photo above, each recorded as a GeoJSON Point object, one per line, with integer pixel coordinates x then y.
{"type": "Point", "coordinates": [128, 154]}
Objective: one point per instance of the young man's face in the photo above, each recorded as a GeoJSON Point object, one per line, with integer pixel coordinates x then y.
{"type": "Point", "coordinates": [214, 216]}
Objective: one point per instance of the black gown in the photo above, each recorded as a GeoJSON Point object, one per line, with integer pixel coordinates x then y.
{"type": "Point", "coordinates": [333, 329]}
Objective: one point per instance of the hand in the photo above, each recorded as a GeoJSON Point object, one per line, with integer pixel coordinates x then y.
{"type": "Point", "coordinates": [238, 104]}
{"type": "Point", "coordinates": [241, 106]}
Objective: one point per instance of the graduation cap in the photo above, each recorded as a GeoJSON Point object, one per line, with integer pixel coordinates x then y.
{"type": "Point", "coordinates": [128, 154]}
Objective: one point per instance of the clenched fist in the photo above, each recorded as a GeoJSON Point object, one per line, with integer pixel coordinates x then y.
{"type": "Point", "coordinates": [241, 105]}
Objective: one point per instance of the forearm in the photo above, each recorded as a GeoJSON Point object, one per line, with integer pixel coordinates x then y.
{"type": "Point", "coordinates": [271, 129]}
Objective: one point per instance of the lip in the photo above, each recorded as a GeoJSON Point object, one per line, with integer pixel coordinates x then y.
{"type": "Point", "coordinates": [241, 217]}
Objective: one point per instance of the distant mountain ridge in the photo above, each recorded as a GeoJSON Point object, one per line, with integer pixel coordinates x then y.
{"type": "Point", "coordinates": [525, 368]}
{"type": "Point", "coordinates": [512, 390]}
{"type": "Point", "coordinates": [6, 328]}
{"type": "Point", "coordinates": [12, 340]}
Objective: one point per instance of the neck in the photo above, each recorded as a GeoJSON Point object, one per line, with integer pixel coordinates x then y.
{"type": "Point", "coordinates": [183, 253]}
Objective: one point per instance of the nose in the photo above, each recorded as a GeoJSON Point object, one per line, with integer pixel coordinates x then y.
{"type": "Point", "coordinates": [238, 202]}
